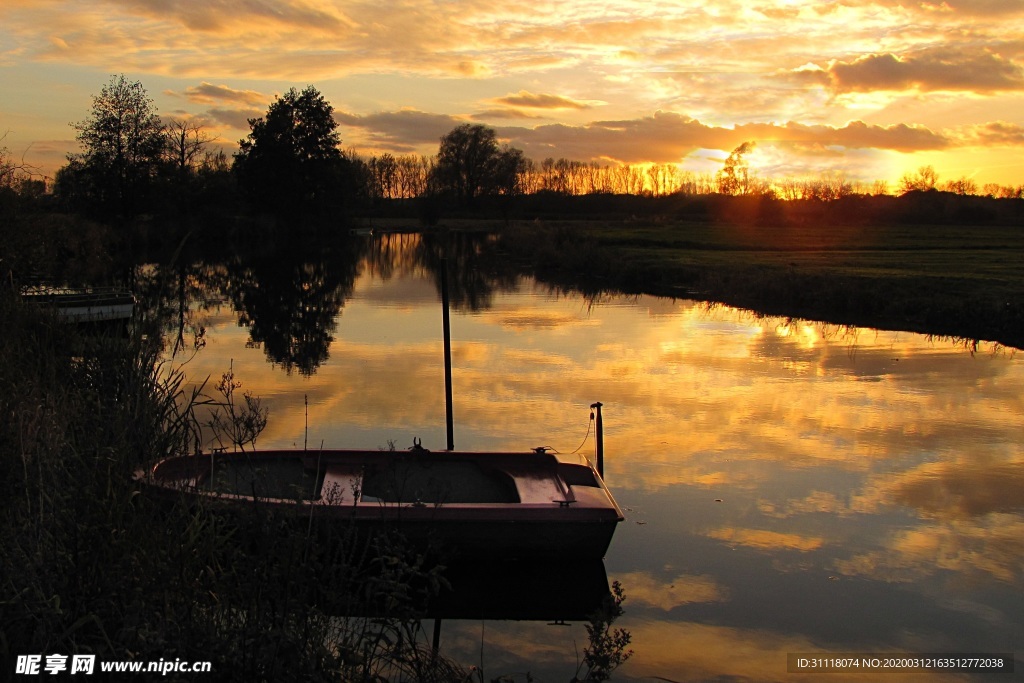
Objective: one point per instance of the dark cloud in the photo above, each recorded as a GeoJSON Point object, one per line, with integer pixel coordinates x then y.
{"type": "Point", "coordinates": [400, 130]}
{"type": "Point", "coordinates": [855, 135]}
{"type": "Point", "coordinates": [234, 118]}
{"type": "Point", "coordinates": [541, 101]}
{"type": "Point", "coordinates": [945, 68]}
{"type": "Point", "coordinates": [960, 8]}
{"type": "Point", "coordinates": [669, 137]}
{"type": "Point", "coordinates": [999, 133]}
{"type": "Point", "coordinates": [665, 136]}
{"type": "Point", "coordinates": [950, 491]}
{"type": "Point", "coordinates": [985, 7]}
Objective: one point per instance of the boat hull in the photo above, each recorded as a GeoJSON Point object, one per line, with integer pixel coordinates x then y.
{"type": "Point", "coordinates": [472, 505]}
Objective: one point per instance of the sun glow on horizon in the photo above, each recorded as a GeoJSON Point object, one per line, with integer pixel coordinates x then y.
{"type": "Point", "coordinates": [637, 83]}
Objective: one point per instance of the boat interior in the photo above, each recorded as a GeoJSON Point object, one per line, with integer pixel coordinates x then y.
{"type": "Point", "coordinates": [404, 478]}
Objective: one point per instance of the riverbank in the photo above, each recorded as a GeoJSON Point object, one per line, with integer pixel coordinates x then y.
{"type": "Point", "coordinates": [945, 280]}
{"type": "Point", "coordinates": [92, 569]}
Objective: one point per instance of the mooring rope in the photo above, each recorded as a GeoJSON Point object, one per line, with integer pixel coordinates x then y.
{"type": "Point", "coordinates": [590, 422]}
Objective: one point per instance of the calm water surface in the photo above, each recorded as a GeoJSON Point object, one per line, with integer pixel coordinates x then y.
{"type": "Point", "coordinates": [788, 487]}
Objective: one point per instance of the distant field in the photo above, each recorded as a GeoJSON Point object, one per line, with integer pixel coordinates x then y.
{"type": "Point", "coordinates": [952, 259]}
{"type": "Point", "coordinates": [962, 281]}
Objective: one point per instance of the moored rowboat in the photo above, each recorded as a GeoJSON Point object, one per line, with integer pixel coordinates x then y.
{"type": "Point", "coordinates": [532, 504]}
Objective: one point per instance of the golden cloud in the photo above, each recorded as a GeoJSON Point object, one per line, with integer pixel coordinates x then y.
{"type": "Point", "coordinates": [541, 101]}
{"type": "Point", "coordinates": [202, 15]}
{"type": "Point", "coordinates": [761, 539]}
{"type": "Point", "coordinates": [688, 652]}
{"type": "Point", "coordinates": [472, 68]}
{"type": "Point", "coordinates": [987, 548]}
{"type": "Point", "coordinates": [950, 489]}
{"type": "Point", "coordinates": [208, 93]}
{"type": "Point", "coordinates": [506, 114]}
{"type": "Point", "coordinates": [666, 595]}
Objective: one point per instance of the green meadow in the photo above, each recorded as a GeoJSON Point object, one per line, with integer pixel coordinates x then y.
{"type": "Point", "coordinates": [964, 281]}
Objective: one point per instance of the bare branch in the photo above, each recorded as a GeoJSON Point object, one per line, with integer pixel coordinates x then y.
{"type": "Point", "coordinates": [14, 173]}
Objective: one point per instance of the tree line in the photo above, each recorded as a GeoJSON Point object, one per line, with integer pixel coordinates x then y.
{"type": "Point", "coordinates": [133, 162]}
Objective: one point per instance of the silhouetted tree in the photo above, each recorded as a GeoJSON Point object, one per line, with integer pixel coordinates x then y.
{"type": "Point", "coordinates": [122, 144]}
{"type": "Point", "coordinates": [186, 142]}
{"type": "Point", "coordinates": [15, 174]}
{"type": "Point", "coordinates": [411, 174]}
{"type": "Point", "coordinates": [507, 172]}
{"type": "Point", "coordinates": [961, 186]}
{"type": "Point", "coordinates": [291, 162]}
{"type": "Point", "coordinates": [383, 174]}
{"type": "Point", "coordinates": [923, 180]}
{"type": "Point", "coordinates": [734, 178]}
{"type": "Point", "coordinates": [470, 164]}
{"type": "Point", "coordinates": [463, 158]}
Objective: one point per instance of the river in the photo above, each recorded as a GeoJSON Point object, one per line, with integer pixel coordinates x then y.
{"type": "Point", "coordinates": [789, 486]}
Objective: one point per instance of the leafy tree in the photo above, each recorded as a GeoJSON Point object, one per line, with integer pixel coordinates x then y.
{"type": "Point", "coordinates": [607, 648]}
{"type": "Point", "coordinates": [471, 164]}
{"type": "Point", "coordinates": [507, 171]}
{"type": "Point", "coordinates": [291, 162]}
{"type": "Point", "coordinates": [122, 143]}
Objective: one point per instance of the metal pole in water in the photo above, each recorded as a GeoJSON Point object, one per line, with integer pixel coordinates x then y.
{"type": "Point", "coordinates": [447, 355]}
{"type": "Point", "coordinates": [599, 426]}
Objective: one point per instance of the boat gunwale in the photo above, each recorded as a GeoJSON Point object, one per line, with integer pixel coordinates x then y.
{"type": "Point", "coordinates": [568, 509]}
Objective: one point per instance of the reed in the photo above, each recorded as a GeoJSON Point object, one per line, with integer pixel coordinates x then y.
{"type": "Point", "coordinates": [92, 567]}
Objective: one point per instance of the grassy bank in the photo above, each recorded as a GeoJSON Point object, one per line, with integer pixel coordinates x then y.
{"type": "Point", "coordinates": [90, 567]}
{"type": "Point", "coordinates": [960, 281]}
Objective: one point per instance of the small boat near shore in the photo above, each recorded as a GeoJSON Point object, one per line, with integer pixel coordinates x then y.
{"type": "Point", "coordinates": [507, 505]}
{"type": "Point", "coordinates": [85, 305]}
{"type": "Point", "coordinates": [533, 504]}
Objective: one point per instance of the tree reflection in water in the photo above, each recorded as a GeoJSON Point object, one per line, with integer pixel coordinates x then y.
{"type": "Point", "coordinates": [473, 277]}
{"type": "Point", "coordinates": [290, 305]}
{"type": "Point", "coordinates": [290, 296]}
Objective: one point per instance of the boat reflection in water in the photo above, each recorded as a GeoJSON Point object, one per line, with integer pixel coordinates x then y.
{"type": "Point", "coordinates": [527, 531]}
{"type": "Point", "coordinates": [522, 591]}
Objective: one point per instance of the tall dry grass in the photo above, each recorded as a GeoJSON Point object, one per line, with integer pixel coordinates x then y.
{"type": "Point", "coordinates": [91, 566]}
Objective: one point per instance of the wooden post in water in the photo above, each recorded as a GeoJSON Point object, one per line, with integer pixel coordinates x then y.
{"type": "Point", "coordinates": [599, 426]}
{"type": "Point", "coordinates": [447, 355]}
{"type": "Point", "coordinates": [436, 645]}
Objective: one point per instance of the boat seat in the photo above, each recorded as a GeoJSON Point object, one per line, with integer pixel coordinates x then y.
{"type": "Point", "coordinates": [341, 484]}
{"type": "Point", "coordinates": [539, 485]}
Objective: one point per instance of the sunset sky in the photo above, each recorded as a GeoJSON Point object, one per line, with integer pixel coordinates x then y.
{"type": "Point", "coordinates": [869, 89]}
